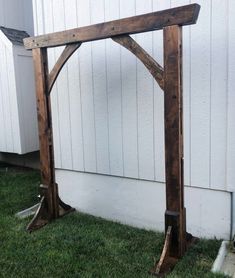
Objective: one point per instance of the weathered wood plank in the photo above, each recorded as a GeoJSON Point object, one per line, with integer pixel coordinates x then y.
{"type": "Point", "coordinates": [49, 189]}
{"type": "Point", "coordinates": [67, 52]}
{"type": "Point", "coordinates": [153, 67]}
{"type": "Point", "coordinates": [174, 137]}
{"type": "Point", "coordinates": [51, 206]}
{"type": "Point", "coordinates": [184, 15]}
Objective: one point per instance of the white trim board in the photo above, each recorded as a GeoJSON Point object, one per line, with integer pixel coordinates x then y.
{"type": "Point", "coordinates": [141, 203]}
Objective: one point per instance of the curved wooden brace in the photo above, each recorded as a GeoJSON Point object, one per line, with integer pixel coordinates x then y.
{"type": "Point", "coordinates": [165, 262]}
{"type": "Point", "coordinates": [65, 55]}
{"type": "Point", "coordinates": [153, 67]}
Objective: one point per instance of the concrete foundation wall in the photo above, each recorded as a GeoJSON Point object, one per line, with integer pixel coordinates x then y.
{"type": "Point", "coordinates": [141, 203]}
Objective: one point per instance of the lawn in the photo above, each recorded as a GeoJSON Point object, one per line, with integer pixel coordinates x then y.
{"type": "Point", "coordinates": [80, 245]}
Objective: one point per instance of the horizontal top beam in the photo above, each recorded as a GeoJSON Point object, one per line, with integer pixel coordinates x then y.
{"type": "Point", "coordinates": [184, 15]}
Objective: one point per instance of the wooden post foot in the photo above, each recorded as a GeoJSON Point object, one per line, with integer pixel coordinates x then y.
{"type": "Point", "coordinates": [43, 217]}
{"type": "Point", "coordinates": [64, 208]}
{"type": "Point", "coordinates": [166, 262]}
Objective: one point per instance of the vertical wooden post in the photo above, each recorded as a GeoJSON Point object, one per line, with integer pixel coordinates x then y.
{"type": "Point", "coordinates": [175, 211]}
{"type": "Point", "coordinates": [49, 193]}
{"type": "Point", "coordinates": [51, 206]}
{"type": "Point", "coordinates": [177, 240]}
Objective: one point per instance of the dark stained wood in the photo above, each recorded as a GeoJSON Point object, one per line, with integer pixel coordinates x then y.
{"type": "Point", "coordinates": [175, 215]}
{"type": "Point", "coordinates": [184, 15]}
{"type": "Point", "coordinates": [45, 131]}
{"type": "Point", "coordinates": [165, 252]}
{"type": "Point", "coordinates": [65, 55]}
{"type": "Point", "coordinates": [169, 79]}
{"type": "Point", "coordinates": [173, 109]}
{"type": "Point", "coordinates": [50, 203]}
{"type": "Point", "coordinates": [44, 125]}
{"type": "Point", "coordinates": [40, 218]}
{"type": "Point", "coordinates": [153, 67]}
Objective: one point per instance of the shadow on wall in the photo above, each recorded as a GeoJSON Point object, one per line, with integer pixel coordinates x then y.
{"type": "Point", "coordinates": [31, 160]}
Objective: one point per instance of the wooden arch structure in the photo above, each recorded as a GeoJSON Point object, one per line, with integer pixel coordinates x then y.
{"type": "Point", "coordinates": [169, 79]}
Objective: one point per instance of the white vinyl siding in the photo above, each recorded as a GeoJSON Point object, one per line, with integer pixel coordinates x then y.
{"type": "Point", "coordinates": [17, 14]}
{"type": "Point", "coordinates": [18, 120]}
{"type": "Point", "coordinates": [10, 139]}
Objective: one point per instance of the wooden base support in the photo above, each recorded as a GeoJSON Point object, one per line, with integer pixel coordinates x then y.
{"type": "Point", "coordinates": [167, 262]}
{"type": "Point", "coordinates": [45, 213]}
{"type": "Point", "coordinates": [64, 208]}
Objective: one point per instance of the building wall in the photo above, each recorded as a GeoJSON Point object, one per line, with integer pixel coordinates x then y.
{"type": "Point", "coordinates": [30, 160]}
{"type": "Point", "coordinates": [108, 112]}
{"type": "Point", "coordinates": [142, 203]}
{"type": "Point", "coordinates": [18, 119]}
{"type": "Point", "coordinates": [18, 122]}
{"type": "Point", "coordinates": [26, 99]}
{"type": "Point", "coordinates": [9, 119]}
{"type": "Point", "coordinates": [17, 14]}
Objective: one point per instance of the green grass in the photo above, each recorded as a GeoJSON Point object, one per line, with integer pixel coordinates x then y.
{"type": "Point", "coordinates": [79, 245]}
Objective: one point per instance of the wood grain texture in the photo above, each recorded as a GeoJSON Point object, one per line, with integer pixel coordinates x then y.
{"type": "Point", "coordinates": [48, 188]}
{"type": "Point", "coordinates": [65, 55]}
{"type": "Point", "coordinates": [173, 115]}
{"type": "Point", "coordinates": [44, 125]}
{"type": "Point", "coordinates": [173, 110]}
{"type": "Point", "coordinates": [187, 93]}
{"type": "Point", "coordinates": [148, 22]}
{"type": "Point", "coordinates": [153, 67]}
{"type": "Point", "coordinates": [51, 206]}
